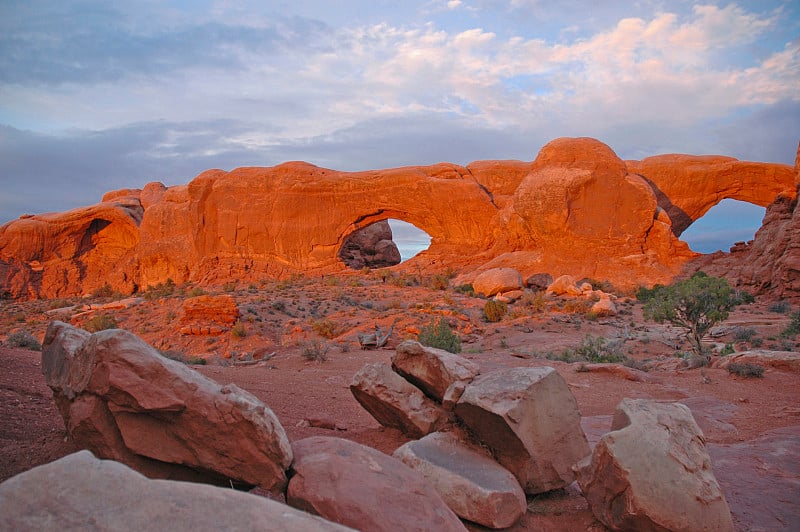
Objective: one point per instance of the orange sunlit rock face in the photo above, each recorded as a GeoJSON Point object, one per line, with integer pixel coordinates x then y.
{"type": "Point", "coordinates": [578, 209]}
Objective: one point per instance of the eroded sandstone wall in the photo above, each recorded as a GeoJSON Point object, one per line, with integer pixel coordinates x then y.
{"type": "Point", "coordinates": [577, 209]}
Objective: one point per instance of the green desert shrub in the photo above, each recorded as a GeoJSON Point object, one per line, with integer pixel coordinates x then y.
{"type": "Point", "coordinates": [466, 289]}
{"type": "Point", "coordinates": [23, 339]}
{"type": "Point", "coordinates": [101, 322]}
{"type": "Point", "coordinates": [535, 301]}
{"type": "Point", "coordinates": [743, 334]}
{"type": "Point", "coordinates": [727, 350]}
{"type": "Point", "coordinates": [793, 329]}
{"type": "Point", "coordinates": [746, 369]}
{"type": "Point", "coordinates": [185, 359]}
{"type": "Point", "coordinates": [159, 291]}
{"type": "Point", "coordinates": [591, 349]}
{"type": "Point", "coordinates": [438, 334]}
{"type": "Point", "coordinates": [494, 310]}
{"type": "Point", "coordinates": [238, 330]}
{"type": "Point", "coordinates": [780, 307]}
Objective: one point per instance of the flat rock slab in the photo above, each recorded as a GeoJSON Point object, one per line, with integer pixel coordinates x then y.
{"type": "Point", "coordinates": [433, 370]}
{"type": "Point", "coordinates": [761, 479]}
{"type": "Point", "coordinates": [122, 400]}
{"type": "Point", "coordinates": [530, 420]}
{"type": "Point", "coordinates": [472, 484]}
{"type": "Point", "coordinates": [619, 370]}
{"type": "Point", "coordinates": [80, 492]}
{"type": "Point", "coordinates": [652, 472]}
{"type": "Point", "coordinates": [357, 486]}
{"type": "Point", "coordinates": [394, 402]}
{"type": "Point", "coordinates": [783, 360]}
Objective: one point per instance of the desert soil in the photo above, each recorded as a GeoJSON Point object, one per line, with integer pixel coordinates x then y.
{"type": "Point", "coordinates": [751, 425]}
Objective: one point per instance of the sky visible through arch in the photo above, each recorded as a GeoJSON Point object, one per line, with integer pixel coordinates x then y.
{"type": "Point", "coordinates": [97, 95]}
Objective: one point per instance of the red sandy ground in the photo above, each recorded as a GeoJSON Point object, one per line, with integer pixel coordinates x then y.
{"type": "Point", "coordinates": [752, 426]}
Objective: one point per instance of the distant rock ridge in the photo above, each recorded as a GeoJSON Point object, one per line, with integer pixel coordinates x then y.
{"type": "Point", "coordinates": [578, 209]}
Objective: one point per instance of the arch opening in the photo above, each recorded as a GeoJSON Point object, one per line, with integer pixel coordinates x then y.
{"type": "Point", "coordinates": [383, 243]}
{"type": "Point", "coordinates": [726, 223]}
{"type": "Point", "coordinates": [410, 239]}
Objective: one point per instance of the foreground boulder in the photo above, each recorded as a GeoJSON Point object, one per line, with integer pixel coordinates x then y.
{"type": "Point", "coordinates": [472, 484]}
{"type": "Point", "coordinates": [80, 492]}
{"type": "Point", "coordinates": [396, 403]}
{"type": "Point", "coordinates": [357, 486]}
{"type": "Point", "coordinates": [122, 400]}
{"type": "Point", "coordinates": [652, 472]}
{"type": "Point", "coordinates": [434, 371]}
{"type": "Point", "coordinates": [530, 420]}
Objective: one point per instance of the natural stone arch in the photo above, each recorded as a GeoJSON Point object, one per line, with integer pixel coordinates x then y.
{"type": "Point", "coordinates": [368, 220]}
{"type": "Point", "coordinates": [687, 186]}
{"type": "Point", "coordinates": [715, 231]}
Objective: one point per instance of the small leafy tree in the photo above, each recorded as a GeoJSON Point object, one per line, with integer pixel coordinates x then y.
{"type": "Point", "coordinates": [696, 304]}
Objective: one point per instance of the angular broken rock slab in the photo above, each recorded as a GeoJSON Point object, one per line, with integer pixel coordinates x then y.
{"type": "Point", "coordinates": [122, 400]}
{"type": "Point", "coordinates": [530, 420]}
{"type": "Point", "coordinates": [652, 472]}
{"type": "Point", "coordinates": [80, 492]}
{"type": "Point", "coordinates": [433, 370]}
{"type": "Point", "coordinates": [472, 484]}
{"type": "Point", "coordinates": [394, 402]}
{"type": "Point", "coordinates": [358, 486]}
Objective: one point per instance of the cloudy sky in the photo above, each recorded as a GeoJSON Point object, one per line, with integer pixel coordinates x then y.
{"type": "Point", "coordinates": [98, 95]}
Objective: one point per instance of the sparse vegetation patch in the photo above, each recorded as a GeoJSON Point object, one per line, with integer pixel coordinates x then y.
{"type": "Point", "coordinates": [438, 334]}
{"type": "Point", "coordinates": [746, 369]}
{"type": "Point", "coordinates": [591, 349]}
{"type": "Point", "coordinates": [23, 339]}
{"type": "Point", "coordinates": [101, 322]}
{"type": "Point", "coordinates": [315, 350]}
{"type": "Point", "coordinates": [494, 310]}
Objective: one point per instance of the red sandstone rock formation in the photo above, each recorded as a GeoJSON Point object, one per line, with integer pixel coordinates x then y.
{"type": "Point", "coordinates": [770, 263]}
{"type": "Point", "coordinates": [687, 186]}
{"type": "Point", "coordinates": [577, 209]}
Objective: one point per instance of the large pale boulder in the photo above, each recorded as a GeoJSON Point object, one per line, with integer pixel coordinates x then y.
{"type": "Point", "coordinates": [432, 370]}
{"type": "Point", "coordinates": [472, 484]}
{"type": "Point", "coordinates": [394, 402]}
{"type": "Point", "coordinates": [497, 280]}
{"type": "Point", "coordinates": [652, 472]}
{"type": "Point", "coordinates": [357, 486]}
{"type": "Point", "coordinates": [80, 492]}
{"type": "Point", "coordinates": [122, 400]}
{"type": "Point", "coordinates": [530, 420]}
